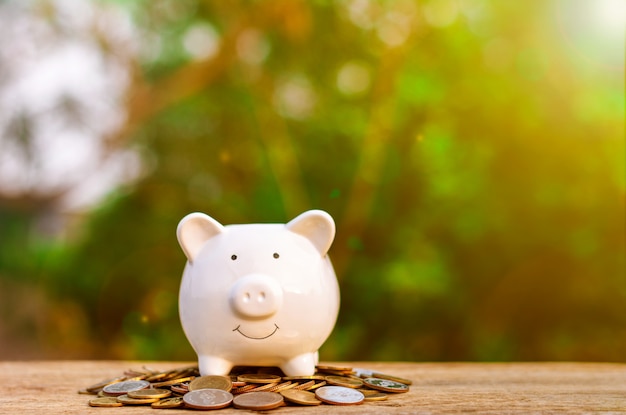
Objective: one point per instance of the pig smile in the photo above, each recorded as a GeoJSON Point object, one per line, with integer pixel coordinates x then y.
{"type": "Point", "coordinates": [256, 338]}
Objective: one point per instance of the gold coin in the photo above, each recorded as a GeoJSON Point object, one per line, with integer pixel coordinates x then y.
{"type": "Point", "coordinates": [139, 377]}
{"type": "Point", "coordinates": [211, 382]}
{"type": "Point", "coordinates": [164, 375]}
{"type": "Point", "coordinates": [386, 385]}
{"type": "Point", "coordinates": [243, 389]}
{"type": "Point", "coordinates": [172, 382]}
{"type": "Point", "coordinates": [156, 376]}
{"type": "Point", "coordinates": [264, 387]}
{"type": "Point", "coordinates": [180, 373]}
{"type": "Point", "coordinates": [333, 368]}
{"type": "Point", "coordinates": [368, 392]}
{"type": "Point", "coordinates": [283, 386]}
{"type": "Point", "coordinates": [149, 394]}
{"type": "Point", "coordinates": [338, 395]}
{"type": "Point", "coordinates": [311, 377]}
{"type": "Point", "coordinates": [376, 396]}
{"type": "Point", "coordinates": [168, 403]}
{"type": "Point", "coordinates": [305, 385]}
{"type": "Point", "coordinates": [133, 372]}
{"type": "Point", "coordinates": [344, 381]}
{"type": "Point", "coordinates": [271, 370]}
{"type": "Point", "coordinates": [300, 397]}
{"type": "Point", "coordinates": [208, 399]}
{"type": "Point", "coordinates": [122, 388]}
{"type": "Point", "coordinates": [317, 385]}
{"type": "Point", "coordinates": [127, 400]}
{"type": "Point", "coordinates": [336, 372]}
{"type": "Point", "coordinates": [391, 377]}
{"type": "Point", "coordinates": [104, 402]}
{"type": "Point", "coordinates": [258, 401]}
{"type": "Point", "coordinates": [259, 378]}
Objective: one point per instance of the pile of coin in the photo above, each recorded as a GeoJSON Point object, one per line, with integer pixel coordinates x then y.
{"type": "Point", "coordinates": [245, 388]}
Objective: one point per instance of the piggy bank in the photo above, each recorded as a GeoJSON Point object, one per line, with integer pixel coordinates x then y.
{"type": "Point", "coordinates": [258, 294]}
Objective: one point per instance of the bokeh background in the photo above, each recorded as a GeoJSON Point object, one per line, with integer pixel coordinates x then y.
{"type": "Point", "coordinates": [471, 152]}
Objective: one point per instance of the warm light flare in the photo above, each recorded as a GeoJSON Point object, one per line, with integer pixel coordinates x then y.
{"type": "Point", "coordinates": [610, 15]}
{"type": "Point", "coordinates": [595, 29]}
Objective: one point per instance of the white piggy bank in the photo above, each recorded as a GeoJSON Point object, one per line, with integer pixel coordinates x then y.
{"type": "Point", "coordinates": [258, 294]}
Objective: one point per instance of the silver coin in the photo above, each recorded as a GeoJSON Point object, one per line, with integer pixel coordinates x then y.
{"type": "Point", "coordinates": [339, 395]}
{"type": "Point", "coordinates": [122, 388]}
{"type": "Point", "coordinates": [386, 385]}
{"type": "Point", "coordinates": [208, 399]}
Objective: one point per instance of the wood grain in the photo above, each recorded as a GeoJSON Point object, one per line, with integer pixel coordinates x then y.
{"type": "Point", "coordinates": [50, 387]}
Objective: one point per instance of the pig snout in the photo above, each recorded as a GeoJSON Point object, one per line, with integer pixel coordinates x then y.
{"type": "Point", "coordinates": [256, 296]}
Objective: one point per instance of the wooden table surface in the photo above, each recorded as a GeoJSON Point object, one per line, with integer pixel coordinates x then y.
{"type": "Point", "coordinates": [51, 387]}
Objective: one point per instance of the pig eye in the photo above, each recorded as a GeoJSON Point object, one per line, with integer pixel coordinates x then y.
{"type": "Point", "coordinates": [276, 255]}
{"type": "Point", "coordinates": [233, 257]}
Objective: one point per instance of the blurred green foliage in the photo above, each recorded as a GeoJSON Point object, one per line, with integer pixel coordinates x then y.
{"type": "Point", "coordinates": [472, 159]}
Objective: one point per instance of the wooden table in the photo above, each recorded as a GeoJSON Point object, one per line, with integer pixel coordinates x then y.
{"type": "Point", "coordinates": [50, 387]}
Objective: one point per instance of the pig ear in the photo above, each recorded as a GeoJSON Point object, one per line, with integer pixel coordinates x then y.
{"type": "Point", "coordinates": [194, 230]}
{"type": "Point", "coordinates": [317, 226]}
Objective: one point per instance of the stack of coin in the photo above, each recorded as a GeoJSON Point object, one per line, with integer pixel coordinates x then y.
{"type": "Point", "coordinates": [251, 388]}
